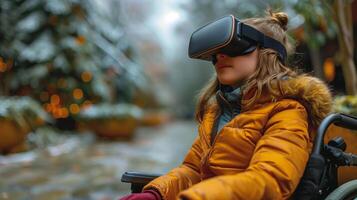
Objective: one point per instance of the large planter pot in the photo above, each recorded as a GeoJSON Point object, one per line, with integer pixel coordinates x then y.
{"type": "Point", "coordinates": [155, 118]}
{"type": "Point", "coordinates": [111, 128]}
{"type": "Point", "coordinates": [344, 173]}
{"type": "Point", "coordinates": [12, 137]}
{"type": "Point", "coordinates": [18, 116]}
{"type": "Point", "coordinates": [111, 121]}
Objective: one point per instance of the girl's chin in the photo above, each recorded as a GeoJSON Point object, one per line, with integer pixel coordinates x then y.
{"type": "Point", "coordinates": [228, 80]}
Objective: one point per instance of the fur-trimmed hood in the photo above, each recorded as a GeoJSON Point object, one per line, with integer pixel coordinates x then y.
{"type": "Point", "coordinates": [309, 91]}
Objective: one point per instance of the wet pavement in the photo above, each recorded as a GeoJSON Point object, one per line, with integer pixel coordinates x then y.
{"type": "Point", "coordinates": [85, 168]}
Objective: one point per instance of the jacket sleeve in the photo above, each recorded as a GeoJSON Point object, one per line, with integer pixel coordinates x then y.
{"type": "Point", "coordinates": [182, 177]}
{"type": "Point", "coordinates": [276, 166]}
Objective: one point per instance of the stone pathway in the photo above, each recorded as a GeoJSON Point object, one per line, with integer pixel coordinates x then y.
{"type": "Point", "coordinates": [85, 168]}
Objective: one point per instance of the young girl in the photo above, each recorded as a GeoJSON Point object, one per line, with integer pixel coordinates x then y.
{"type": "Point", "coordinates": [256, 123]}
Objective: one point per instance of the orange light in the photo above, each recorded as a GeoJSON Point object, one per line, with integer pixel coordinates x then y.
{"type": "Point", "coordinates": [55, 99]}
{"type": "Point", "coordinates": [62, 83]}
{"type": "Point", "coordinates": [86, 76]}
{"type": "Point", "coordinates": [74, 108]}
{"type": "Point", "coordinates": [48, 107]}
{"type": "Point", "coordinates": [54, 109]}
{"type": "Point", "coordinates": [80, 40]}
{"type": "Point", "coordinates": [56, 113]}
{"type": "Point", "coordinates": [86, 104]}
{"type": "Point", "coordinates": [77, 93]}
{"type": "Point", "coordinates": [64, 113]}
{"type": "Point", "coordinates": [299, 34]}
{"type": "Point", "coordinates": [329, 69]}
{"type": "Point", "coordinates": [3, 65]}
{"type": "Point", "coordinates": [44, 96]}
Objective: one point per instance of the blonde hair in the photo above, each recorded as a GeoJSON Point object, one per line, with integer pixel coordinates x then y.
{"type": "Point", "coordinates": [269, 67]}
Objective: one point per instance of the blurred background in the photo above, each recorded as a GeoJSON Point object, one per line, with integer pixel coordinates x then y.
{"type": "Point", "coordinates": [92, 88]}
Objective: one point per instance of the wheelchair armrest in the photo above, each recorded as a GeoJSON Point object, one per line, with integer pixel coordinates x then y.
{"type": "Point", "coordinates": [138, 180]}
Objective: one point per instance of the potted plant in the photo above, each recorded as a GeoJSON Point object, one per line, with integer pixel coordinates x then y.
{"type": "Point", "coordinates": [110, 121]}
{"type": "Point", "coordinates": [18, 117]}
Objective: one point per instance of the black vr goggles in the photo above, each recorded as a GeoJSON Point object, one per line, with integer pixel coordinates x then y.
{"type": "Point", "coordinates": [232, 37]}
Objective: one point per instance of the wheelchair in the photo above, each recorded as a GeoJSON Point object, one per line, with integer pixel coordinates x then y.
{"type": "Point", "coordinates": [320, 177]}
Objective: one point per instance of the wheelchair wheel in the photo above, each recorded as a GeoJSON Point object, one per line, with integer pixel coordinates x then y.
{"type": "Point", "coordinates": [345, 191]}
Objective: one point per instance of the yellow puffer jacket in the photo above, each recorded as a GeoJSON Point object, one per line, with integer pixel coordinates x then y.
{"type": "Point", "coordinates": [259, 154]}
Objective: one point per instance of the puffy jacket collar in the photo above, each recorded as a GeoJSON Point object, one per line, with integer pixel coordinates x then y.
{"type": "Point", "coordinates": [228, 96]}
{"type": "Point", "coordinates": [228, 99]}
{"type": "Point", "coordinates": [309, 91]}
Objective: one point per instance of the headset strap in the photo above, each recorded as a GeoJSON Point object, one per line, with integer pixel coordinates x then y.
{"type": "Point", "coordinates": [265, 41]}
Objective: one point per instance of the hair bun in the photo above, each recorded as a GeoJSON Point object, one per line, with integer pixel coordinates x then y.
{"type": "Point", "coordinates": [281, 18]}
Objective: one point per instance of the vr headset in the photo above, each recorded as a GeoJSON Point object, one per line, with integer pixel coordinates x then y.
{"type": "Point", "coordinates": [232, 37]}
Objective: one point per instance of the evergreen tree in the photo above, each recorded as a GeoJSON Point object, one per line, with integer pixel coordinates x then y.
{"type": "Point", "coordinates": [64, 54]}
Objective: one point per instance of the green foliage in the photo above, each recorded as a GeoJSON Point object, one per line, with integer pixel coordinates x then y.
{"type": "Point", "coordinates": [319, 24]}
{"type": "Point", "coordinates": [346, 104]}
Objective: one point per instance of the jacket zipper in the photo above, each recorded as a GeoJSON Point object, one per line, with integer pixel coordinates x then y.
{"type": "Point", "coordinates": [208, 142]}
{"type": "Point", "coordinates": [210, 146]}
{"type": "Point", "coordinates": [232, 113]}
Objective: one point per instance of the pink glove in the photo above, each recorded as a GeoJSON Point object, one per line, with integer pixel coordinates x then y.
{"type": "Point", "coordinates": [145, 195]}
